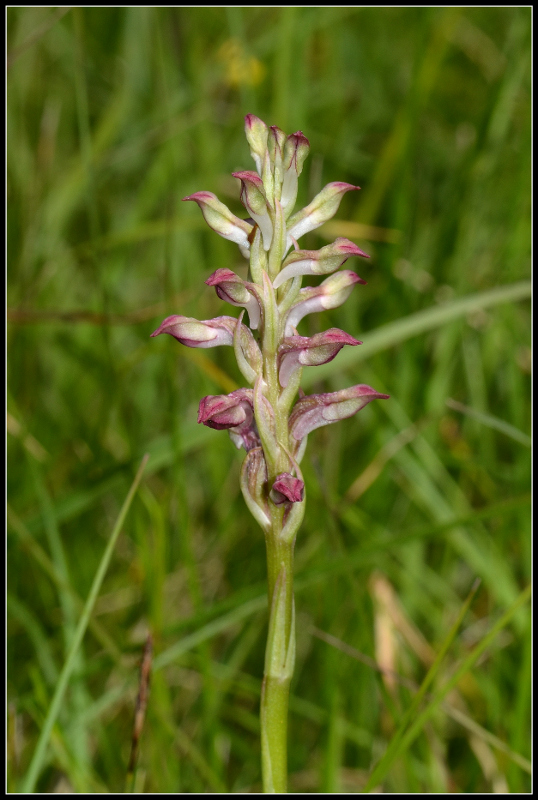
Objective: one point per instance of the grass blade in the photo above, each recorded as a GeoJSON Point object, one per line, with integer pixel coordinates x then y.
{"type": "Point", "coordinates": [54, 708]}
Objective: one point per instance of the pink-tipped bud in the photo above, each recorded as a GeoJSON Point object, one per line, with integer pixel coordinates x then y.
{"type": "Point", "coordinates": [303, 351]}
{"type": "Point", "coordinates": [331, 293]}
{"type": "Point", "coordinates": [231, 288]}
{"type": "Point", "coordinates": [222, 221]}
{"type": "Point", "coordinates": [316, 410]}
{"type": "Point", "coordinates": [318, 262]}
{"type": "Point", "coordinates": [322, 208]}
{"type": "Point", "coordinates": [199, 333]}
{"type": "Point", "coordinates": [296, 150]}
{"type": "Point", "coordinates": [256, 133]}
{"type": "Point", "coordinates": [287, 489]}
{"type": "Point", "coordinates": [232, 412]}
{"type": "Point", "coordinates": [254, 199]}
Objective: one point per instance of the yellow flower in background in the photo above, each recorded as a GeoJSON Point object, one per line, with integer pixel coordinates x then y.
{"type": "Point", "coordinates": [241, 69]}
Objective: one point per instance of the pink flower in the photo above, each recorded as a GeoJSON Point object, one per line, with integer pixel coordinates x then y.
{"type": "Point", "coordinates": [322, 208]}
{"type": "Point", "coordinates": [232, 412]}
{"type": "Point", "coordinates": [304, 351]}
{"type": "Point", "coordinates": [199, 333]}
{"type": "Point", "coordinates": [254, 199]}
{"type": "Point", "coordinates": [318, 262]}
{"type": "Point", "coordinates": [231, 288]}
{"type": "Point", "coordinates": [316, 410]}
{"type": "Point", "coordinates": [287, 489]}
{"type": "Point", "coordinates": [222, 221]}
{"type": "Point", "coordinates": [331, 293]}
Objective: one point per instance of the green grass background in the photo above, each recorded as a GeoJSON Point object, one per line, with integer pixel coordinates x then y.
{"type": "Point", "coordinates": [114, 115]}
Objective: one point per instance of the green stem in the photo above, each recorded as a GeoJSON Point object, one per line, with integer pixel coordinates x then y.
{"type": "Point", "coordinates": [279, 662]}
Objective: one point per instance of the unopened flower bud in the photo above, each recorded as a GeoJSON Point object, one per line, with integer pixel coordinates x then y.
{"type": "Point", "coordinates": [232, 412]}
{"type": "Point", "coordinates": [296, 150]}
{"type": "Point", "coordinates": [199, 333]}
{"type": "Point", "coordinates": [222, 221]}
{"type": "Point", "coordinates": [287, 489]}
{"type": "Point", "coordinates": [232, 288]}
{"type": "Point", "coordinates": [331, 293]}
{"type": "Point", "coordinates": [316, 410]}
{"type": "Point", "coordinates": [254, 199]}
{"type": "Point", "coordinates": [322, 208]}
{"type": "Point", "coordinates": [256, 133]}
{"type": "Point", "coordinates": [310, 351]}
{"type": "Point", "coordinates": [317, 262]}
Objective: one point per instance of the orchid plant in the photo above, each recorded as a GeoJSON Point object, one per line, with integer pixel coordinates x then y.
{"type": "Point", "coordinates": [265, 418]}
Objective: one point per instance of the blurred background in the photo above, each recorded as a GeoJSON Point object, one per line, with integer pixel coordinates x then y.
{"type": "Point", "coordinates": [113, 116]}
